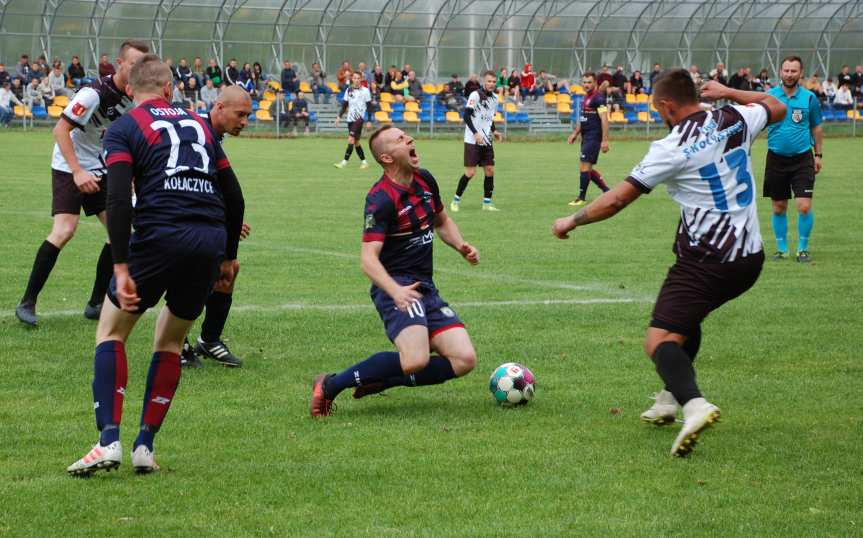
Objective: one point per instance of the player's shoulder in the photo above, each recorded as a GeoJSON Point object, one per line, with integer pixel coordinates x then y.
{"type": "Point", "coordinates": [427, 177]}
{"type": "Point", "coordinates": [379, 192]}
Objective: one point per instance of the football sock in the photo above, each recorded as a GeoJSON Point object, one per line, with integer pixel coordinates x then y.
{"type": "Point", "coordinates": [462, 185]}
{"type": "Point", "coordinates": [456, 198]}
{"type": "Point", "coordinates": [349, 151]}
{"type": "Point", "coordinates": [805, 221]}
{"type": "Point", "coordinates": [596, 178]}
{"type": "Point", "coordinates": [693, 344]}
{"type": "Point", "coordinates": [218, 307]}
{"type": "Point", "coordinates": [488, 187]}
{"type": "Point", "coordinates": [780, 230]}
{"type": "Point", "coordinates": [675, 368]}
{"type": "Point", "coordinates": [46, 257]}
{"type": "Point", "coordinates": [584, 181]}
{"type": "Point", "coordinates": [360, 153]}
{"type": "Point", "coordinates": [104, 272]}
{"type": "Point", "coordinates": [162, 381]}
{"type": "Point", "coordinates": [438, 370]}
{"type": "Point", "coordinates": [486, 200]}
{"type": "Point", "coordinates": [110, 375]}
{"type": "Point", "coordinates": [376, 368]}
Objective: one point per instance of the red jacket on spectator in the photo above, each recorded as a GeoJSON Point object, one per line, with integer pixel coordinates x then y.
{"type": "Point", "coordinates": [528, 78]}
{"type": "Point", "coordinates": [105, 69]}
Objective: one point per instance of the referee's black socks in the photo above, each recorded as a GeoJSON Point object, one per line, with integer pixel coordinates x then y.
{"type": "Point", "coordinates": [218, 308]}
{"type": "Point", "coordinates": [674, 366]}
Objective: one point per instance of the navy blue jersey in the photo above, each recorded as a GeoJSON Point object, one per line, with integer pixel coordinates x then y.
{"type": "Point", "coordinates": [175, 157]}
{"type": "Point", "coordinates": [592, 106]}
{"type": "Point", "coordinates": [403, 218]}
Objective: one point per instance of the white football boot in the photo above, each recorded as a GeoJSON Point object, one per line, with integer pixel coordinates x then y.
{"type": "Point", "coordinates": [698, 415]}
{"type": "Point", "coordinates": [663, 411]}
{"type": "Point", "coordinates": [99, 458]}
{"type": "Point", "coordinates": [143, 460]}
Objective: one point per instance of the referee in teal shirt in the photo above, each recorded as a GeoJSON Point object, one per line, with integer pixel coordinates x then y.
{"type": "Point", "coordinates": [791, 163]}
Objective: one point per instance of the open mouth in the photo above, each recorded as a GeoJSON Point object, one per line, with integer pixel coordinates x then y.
{"type": "Point", "coordinates": [413, 153]}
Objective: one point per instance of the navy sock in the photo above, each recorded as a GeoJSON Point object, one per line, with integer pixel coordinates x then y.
{"type": "Point", "coordinates": [488, 186]}
{"type": "Point", "coordinates": [218, 307]}
{"type": "Point", "coordinates": [438, 370]}
{"type": "Point", "coordinates": [376, 368]}
{"type": "Point", "coordinates": [146, 436]}
{"type": "Point", "coordinates": [44, 262]}
{"type": "Point", "coordinates": [360, 153]}
{"type": "Point", "coordinates": [349, 151]}
{"type": "Point", "coordinates": [583, 182]}
{"type": "Point", "coordinates": [462, 185]}
{"type": "Point", "coordinates": [675, 368]}
{"type": "Point", "coordinates": [104, 272]}
{"type": "Point", "coordinates": [110, 375]}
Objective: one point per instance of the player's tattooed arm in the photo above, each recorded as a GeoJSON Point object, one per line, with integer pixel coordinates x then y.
{"type": "Point", "coordinates": [606, 206]}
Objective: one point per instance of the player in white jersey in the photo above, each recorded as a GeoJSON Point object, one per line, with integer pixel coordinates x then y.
{"type": "Point", "coordinates": [478, 134]}
{"type": "Point", "coordinates": [705, 164]}
{"type": "Point", "coordinates": [77, 169]}
{"type": "Point", "coordinates": [357, 98]}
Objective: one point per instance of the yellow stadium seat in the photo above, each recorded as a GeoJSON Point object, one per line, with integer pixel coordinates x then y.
{"type": "Point", "coordinates": [20, 112]}
{"type": "Point", "coordinates": [382, 117]}
{"type": "Point", "coordinates": [263, 114]}
{"type": "Point", "coordinates": [645, 117]}
{"type": "Point", "coordinates": [576, 88]}
{"type": "Point", "coordinates": [275, 85]}
{"type": "Point", "coordinates": [453, 117]}
{"type": "Point", "coordinates": [511, 108]}
{"type": "Point", "coordinates": [55, 111]}
{"type": "Point", "coordinates": [498, 117]}
{"type": "Point", "coordinates": [564, 98]}
{"type": "Point", "coordinates": [439, 88]}
{"type": "Point", "coordinates": [333, 86]}
{"type": "Point", "coordinates": [265, 104]}
{"type": "Point", "coordinates": [61, 101]}
{"type": "Point", "coordinates": [305, 87]}
{"type": "Point", "coordinates": [642, 98]}
{"type": "Point", "coordinates": [387, 97]}
{"type": "Point", "coordinates": [630, 99]}
{"type": "Point", "coordinates": [385, 106]}
{"type": "Point", "coordinates": [429, 88]}
{"type": "Point", "coordinates": [412, 106]}
{"type": "Point", "coordinates": [617, 117]}
{"type": "Point", "coordinates": [857, 116]}
{"type": "Point", "coordinates": [269, 96]}
{"type": "Point", "coordinates": [411, 117]}
{"type": "Point", "coordinates": [549, 99]}
{"type": "Point", "coordinates": [564, 108]}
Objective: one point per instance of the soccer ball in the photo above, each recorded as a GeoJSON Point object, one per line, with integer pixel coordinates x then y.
{"type": "Point", "coordinates": [511, 384]}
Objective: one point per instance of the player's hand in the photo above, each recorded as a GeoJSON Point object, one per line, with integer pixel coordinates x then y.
{"type": "Point", "coordinates": [404, 296]}
{"type": "Point", "coordinates": [603, 146]}
{"type": "Point", "coordinates": [817, 164]}
{"type": "Point", "coordinates": [227, 272]}
{"type": "Point", "coordinates": [244, 231]}
{"type": "Point", "coordinates": [338, 120]}
{"type": "Point", "coordinates": [127, 291]}
{"type": "Point", "coordinates": [85, 181]}
{"type": "Point", "coordinates": [498, 136]}
{"type": "Point", "coordinates": [713, 91]}
{"type": "Point", "coordinates": [572, 138]}
{"type": "Point", "coordinates": [469, 253]}
{"type": "Point", "coordinates": [479, 138]}
{"type": "Point", "coordinates": [562, 227]}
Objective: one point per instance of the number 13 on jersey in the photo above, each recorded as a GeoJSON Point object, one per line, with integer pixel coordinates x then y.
{"type": "Point", "coordinates": [737, 161]}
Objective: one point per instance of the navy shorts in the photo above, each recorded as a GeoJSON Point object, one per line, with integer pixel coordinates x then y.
{"type": "Point", "coordinates": [181, 264]}
{"type": "Point", "coordinates": [590, 149]}
{"type": "Point", "coordinates": [431, 311]}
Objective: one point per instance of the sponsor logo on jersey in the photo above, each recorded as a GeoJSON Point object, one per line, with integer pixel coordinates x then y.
{"type": "Point", "coordinates": [370, 221]}
{"type": "Point", "coordinates": [78, 110]}
{"type": "Point", "coordinates": [711, 137]}
{"type": "Point", "coordinates": [447, 311]}
{"type": "Point", "coordinates": [405, 209]}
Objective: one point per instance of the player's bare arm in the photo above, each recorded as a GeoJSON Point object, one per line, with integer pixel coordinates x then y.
{"type": "Point", "coordinates": [714, 91]}
{"type": "Point", "coordinates": [85, 181]}
{"type": "Point", "coordinates": [606, 206]}
{"type": "Point", "coordinates": [818, 136]}
{"type": "Point", "coordinates": [603, 118]}
{"type": "Point", "coordinates": [574, 136]}
{"type": "Point", "coordinates": [449, 233]}
{"type": "Point", "coordinates": [370, 259]}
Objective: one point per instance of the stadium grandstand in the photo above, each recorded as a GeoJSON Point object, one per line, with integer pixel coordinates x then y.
{"type": "Point", "coordinates": [276, 48]}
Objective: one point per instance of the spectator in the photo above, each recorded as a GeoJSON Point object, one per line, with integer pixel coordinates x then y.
{"type": "Point", "coordinates": [4, 75]}
{"type": "Point", "coordinates": [209, 93]}
{"type": "Point", "coordinates": [657, 69]}
{"type": "Point", "coordinates": [843, 99]}
{"type": "Point", "coordinates": [32, 93]}
{"type": "Point", "coordinates": [513, 86]}
{"type": "Point", "coordinates": [191, 93]}
{"type": "Point", "coordinates": [761, 83]}
{"type": "Point", "coordinates": [470, 86]}
{"type": "Point", "coordinates": [451, 100]}
{"type": "Point", "coordinates": [546, 83]}
{"type": "Point", "coordinates": [184, 72]}
{"type": "Point", "coordinates": [343, 75]}
{"type": "Point", "coordinates": [814, 85]}
{"type": "Point", "coordinates": [18, 88]}
{"type": "Point", "coordinates": [604, 76]}
{"type": "Point", "coordinates": [501, 84]}
{"type": "Point", "coordinates": [198, 70]}
{"type": "Point", "coordinates": [232, 74]}
{"type": "Point", "coordinates": [456, 85]}
{"type": "Point", "coordinates": [364, 74]}
{"type": "Point", "coordinates": [57, 82]}
{"type": "Point", "coordinates": [829, 89]}
{"type": "Point", "coordinates": [214, 73]}
{"type": "Point", "coordinates": [318, 82]}
{"type": "Point", "coordinates": [290, 82]}
{"type": "Point", "coordinates": [636, 83]}
{"type": "Point", "coordinates": [619, 81]}
{"type": "Point", "coordinates": [7, 98]}
{"type": "Point", "coordinates": [406, 70]}
{"type": "Point", "coordinates": [719, 74]}
{"type": "Point", "coordinates": [298, 111]}
{"type": "Point", "coordinates": [399, 87]}
{"type": "Point", "coordinates": [106, 68]}
{"type": "Point", "coordinates": [844, 77]}
{"type": "Point", "coordinates": [24, 71]}
{"type": "Point", "coordinates": [260, 80]}
{"type": "Point", "coordinates": [246, 81]}
{"type": "Point", "coordinates": [740, 80]}
{"type": "Point", "coordinates": [415, 88]}
{"type": "Point", "coordinates": [378, 76]}
{"type": "Point", "coordinates": [696, 75]}
{"type": "Point", "coordinates": [41, 69]}
{"type": "Point", "coordinates": [46, 91]}
{"type": "Point", "coordinates": [389, 79]}
{"type": "Point", "coordinates": [76, 72]}
{"type": "Point", "coordinates": [170, 63]}
{"type": "Point", "coordinates": [178, 97]}
{"type": "Point", "coordinates": [527, 80]}
{"type": "Point", "coordinates": [375, 104]}
{"type": "Point", "coordinates": [856, 86]}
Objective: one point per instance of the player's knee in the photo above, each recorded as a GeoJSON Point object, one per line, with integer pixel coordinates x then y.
{"type": "Point", "coordinates": [469, 173]}
{"type": "Point", "coordinates": [62, 234]}
{"type": "Point", "coordinates": [464, 361]}
{"type": "Point", "coordinates": [413, 361]}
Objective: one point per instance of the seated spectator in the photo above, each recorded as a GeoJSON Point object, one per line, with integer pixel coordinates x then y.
{"type": "Point", "coordinates": [719, 74]}
{"type": "Point", "coordinates": [405, 70]}
{"type": "Point", "coordinates": [76, 72]}
{"type": "Point", "coordinates": [829, 89]}
{"type": "Point", "coordinates": [398, 87]}
{"type": "Point", "coordinates": [170, 63]}
{"type": "Point", "coordinates": [24, 71]}
{"type": "Point", "coordinates": [856, 86]}
{"type": "Point", "coordinates": [843, 99]}
{"type": "Point", "coordinates": [513, 86]}
{"type": "Point", "coordinates": [260, 80]}
{"type": "Point", "coordinates": [209, 93]}
{"type": "Point", "coordinates": [318, 82]}
{"type": "Point", "coordinates": [298, 111]}
{"type": "Point", "coordinates": [761, 83]}
{"type": "Point", "coordinates": [738, 80]}
{"type": "Point", "coordinates": [198, 70]}
{"type": "Point", "coordinates": [471, 85]}
{"type": "Point", "coordinates": [619, 81]}
{"type": "Point", "coordinates": [657, 69]}
{"type": "Point", "coordinates": [232, 73]}
{"type": "Point", "coordinates": [18, 88]}
{"type": "Point", "coordinates": [46, 91]}
{"type": "Point", "coordinates": [377, 75]}
{"type": "Point", "coordinates": [501, 85]}
{"type": "Point", "coordinates": [527, 82]}
{"type": "Point", "coordinates": [450, 100]}
{"type": "Point", "coordinates": [33, 94]}
{"type": "Point", "coordinates": [414, 89]}
{"type": "Point", "coordinates": [814, 85]}
{"type": "Point", "coordinates": [184, 72]}
{"type": "Point", "coordinates": [636, 83]}
{"type": "Point", "coordinates": [604, 76]}
{"type": "Point", "coordinates": [178, 98]}
{"type": "Point", "coordinates": [365, 74]}
{"type": "Point", "coordinates": [696, 75]}
{"type": "Point", "coordinates": [546, 83]}
{"type": "Point", "coordinates": [214, 73]}
{"type": "Point", "coordinates": [4, 75]}
{"type": "Point", "coordinates": [7, 99]}
{"type": "Point", "coordinates": [41, 68]}
{"type": "Point", "coordinates": [245, 80]}
{"type": "Point", "coordinates": [343, 76]}
{"type": "Point", "coordinates": [844, 77]}
{"type": "Point", "coordinates": [389, 78]}
{"type": "Point", "coordinates": [456, 85]}
{"type": "Point", "coordinates": [290, 81]}
{"type": "Point", "coordinates": [193, 100]}
{"type": "Point", "coordinates": [106, 68]}
{"type": "Point", "coordinates": [375, 104]}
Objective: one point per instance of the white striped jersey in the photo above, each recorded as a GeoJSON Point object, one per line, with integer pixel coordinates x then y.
{"type": "Point", "coordinates": [484, 106]}
{"type": "Point", "coordinates": [706, 167]}
{"type": "Point", "coordinates": [357, 99]}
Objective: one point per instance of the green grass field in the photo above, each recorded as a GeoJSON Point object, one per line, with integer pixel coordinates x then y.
{"type": "Point", "coordinates": [240, 455]}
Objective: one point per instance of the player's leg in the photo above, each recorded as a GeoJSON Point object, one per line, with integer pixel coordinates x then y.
{"type": "Point", "coordinates": [210, 342]}
{"type": "Point", "coordinates": [779, 223]}
{"type": "Point", "coordinates": [597, 179]}
{"type": "Point", "coordinates": [777, 187]}
{"type": "Point", "coordinates": [471, 159]}
{"type": "Point", "coordinates": [104, 272]}
{"type": "Point", "coordinates": [360, 153]}
{"type": "Point", "coordinates": [584, 170]}
{"type": "Point", "coordinates": [488, 184]}
{"type": "Point", "coordinates": [348, 151]}
{"type": "Point", "coordinates": [803, 186]}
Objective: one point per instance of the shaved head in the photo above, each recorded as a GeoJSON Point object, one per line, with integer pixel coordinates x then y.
{"type": "Point", "coordinates": [379, 142]}
{"type": "Point", "coordinates": [233, 96]}
{"type": "Point", "coordinates": [231, 111]}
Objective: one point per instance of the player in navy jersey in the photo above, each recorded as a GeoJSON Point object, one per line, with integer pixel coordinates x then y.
{"type": "Point", "coordinates": [706, 166]}
{"type": "Point", "coordinates": [402, 214]}
{"type": "Point", "coordinates": [187, 224]}
{"type": "Point", "coordinates": [593, 127]}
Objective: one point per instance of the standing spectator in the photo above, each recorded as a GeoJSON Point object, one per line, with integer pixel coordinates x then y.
{"type": "Point", "coordinates": [32, 94]}
{"type": "Point", "coordinates": [604, 77]}
{"type": "Point", "coordinates": [259, 79]}
{"type": "Point", "coordinates": [414, 89]}
{"type": "Point", "coordinates": [4, 75]}
{"type": "Point", "coordinates": [232, 74]}
{"type": "Point", "coordinates": [472, 85]}
{"type": "Point", "coordinates": [170, 63]}
{"type": "Point", "coordinates": [843, 99]}
{"type": "Point", "coordinates": [761, 83]}
{"type": "Point", "coordinates": [290, 82]}
{"type": "Point", "coordinates": [856, 86]}
{"type": "Point", "coordinates": [527, 81]}
{"type": "Point", "coordinates": [389, 79]}
{"type": "Point", "coordinates": [298, 111]}
{"type": "Point", "coordinates": [740, 80]}
{"type": "Point", "coordinates": [719, 74]}
{"type": "Point", "coordinates": [375, 104]}
{"type": "Point", "coordinates": [106, 68]}
{"type": "Point", "coordinates": [378, 75]}
{"type": "Point", "coordinates": [24, 71]}
{"type": "Point", "coordinates": [829, 89]}
{"type": "Point", "coordinates": [191, 93]}
{"type": "Point", "coordinates": [184, 72]}
{"type": "Point", "coordinates": [636, 83]}
{"type": "Point", "coordinates": [844, 77]}
{"type": "Point", "coordinates": [657, 69]}
{"type": "Point", "coordinates": [318, 82]}
{"type": "Point", "coordinates": [619, 81]}
{"type": "Point", "coordinates": [76, 72]}
{"type": "Point", "coordinates": [399, 87]}
{"type": "Point", "coordinates": [214, 73]}
{"type": "Point", "coordinates": [343, 75]}
{"type": "Point", "coordinates": [58, 82]}
{"type": "Point", "coordinates": [209, 93]}
{"type": "Point", "coordinates": [513, 85]}
{"type": "Point", "coordinates": [6, 100]}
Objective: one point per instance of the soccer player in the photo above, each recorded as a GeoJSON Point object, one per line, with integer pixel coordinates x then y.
{"type": "Point", "coordinates": [704, 162]}
{"type": "Point", "coordinates": [187, 224]}
{"type": "Point", "coordinates": [77, 170]}
{"type": "Point", "coordinates": [791, 165]}
{"type": "Point", "coordinates": [403, 211]}
{"type": "Point", "coordinates": [230, 115]}
{"type": "Point", "coordinates": [593, 127]}
{"type": "Point", "coordinates": [478, 133]}
{"type": "Point", "coordinates": [357, 98]}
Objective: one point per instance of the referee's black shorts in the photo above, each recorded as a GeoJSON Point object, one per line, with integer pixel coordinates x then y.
{"type": "Point", "coordinates": [786, 174]}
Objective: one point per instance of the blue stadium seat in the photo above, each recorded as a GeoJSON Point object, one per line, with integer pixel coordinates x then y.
{"type": "Point", "coordinates": [425, 117]}
{"type": "Point", "coordinates": [40, 112]}
{"type": "Point", "coordinates": [631, 117]}
{"type": "Point", "coordinates": [397, 117]}
{"type": "Point", "coordinates": [313, 117]}
{"type": "Point", "coordinates": [252, 117]}
{"type": "Point", "coordinates": [398, 107]}
{"type": "Point", "coordinates": [255, 106]}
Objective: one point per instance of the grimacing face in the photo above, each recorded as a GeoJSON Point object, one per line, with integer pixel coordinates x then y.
{"type": "Point", "coordinates": [397, 147]}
